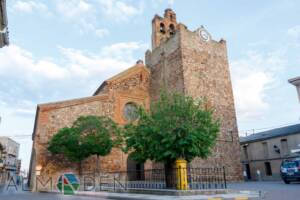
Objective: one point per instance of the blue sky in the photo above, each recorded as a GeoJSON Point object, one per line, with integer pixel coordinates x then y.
{"type": "Point", "coordinates": [65, 49]}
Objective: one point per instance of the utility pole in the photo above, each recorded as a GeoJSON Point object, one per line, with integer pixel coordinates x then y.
{"type": "Point", "coordinates": [296, 82]}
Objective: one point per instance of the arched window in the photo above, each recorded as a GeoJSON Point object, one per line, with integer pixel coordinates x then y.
{"type": "Point", "coordinates": [162, 28]}
{"type": "Point", "coordinates": [172, 29]}
{"type": "Point", "coordinates": [130, 111]}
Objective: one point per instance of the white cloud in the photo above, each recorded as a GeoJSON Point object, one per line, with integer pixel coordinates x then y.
{"type": "Point", "coordinates": [294, 31]}
{"type": "Point", "coordinates": [30, 7]}
{"type": "Point", "coordinates": [119, 10]}
{"type": "Point", "coordinates": [162, 3]}
{"type": "Point", "coordinates": [23, 63]}
{"type": "Point", "coordinates": [86, 27]}
{"type": "Point", "coordinates": [122, 49]}
{"type": "Point", "coordinates": [25, 78]}
{"type": "Point", "coordinates": [253, 77]}
{"type": "Point", "coordinates": [83, 14]}
{"type": "Point", "coordinates": [74, 8]}
{"type": "Point", "coordinates": [171, 2]}
{"type": "Point", "coordinates": [101, 32]}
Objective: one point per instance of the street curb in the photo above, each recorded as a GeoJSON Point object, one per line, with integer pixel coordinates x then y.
{"type": "Point", "coordinates": [125, 196]}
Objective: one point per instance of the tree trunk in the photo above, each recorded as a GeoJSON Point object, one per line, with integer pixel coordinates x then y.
{"type": "Point", "coordinates": [98, 165]}
{"type": "Point", "coordinates": [79, 169]}
{"type": "Point", "coordinates": [98, 172]}
{"type": "Point", "coordinates": [170, 175]}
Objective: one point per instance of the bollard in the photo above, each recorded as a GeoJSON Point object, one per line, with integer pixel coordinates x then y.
{"type": "Point", "coordinates": [181, 174]}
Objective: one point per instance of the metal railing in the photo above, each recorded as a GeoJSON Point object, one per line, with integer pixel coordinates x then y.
{"type": "Point", "coordinates": [198, 179]}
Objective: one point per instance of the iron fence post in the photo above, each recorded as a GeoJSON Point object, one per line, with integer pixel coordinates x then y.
{"type": "Point", "coordinates": [224, 176]}
{"type": "Point", "coordinates": [114, 182]}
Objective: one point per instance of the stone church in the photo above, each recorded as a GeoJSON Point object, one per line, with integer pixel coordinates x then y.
{"type": "Point", "coordinates": [180, 60]}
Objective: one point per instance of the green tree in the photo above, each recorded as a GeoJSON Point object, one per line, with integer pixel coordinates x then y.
{"type": "Point", "coordinates": [69, 142]}
{"type": "Point", "coordinates": [89, 135]}
{"type": "Point", "coordinates": [98, 133]}
{"type": "Point", "coordinates": [176, 127]}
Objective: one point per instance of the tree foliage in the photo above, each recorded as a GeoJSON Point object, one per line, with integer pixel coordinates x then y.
{"type": "Point", "coordinates": [96, 132]}
{"type": "Point", "coordinates": [89, 135]}
{"type": "Point", "coordinates": [176, 127]}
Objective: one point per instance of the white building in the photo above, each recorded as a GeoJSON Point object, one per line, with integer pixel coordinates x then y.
{"type": "Point", "coordinates": [10, 153]}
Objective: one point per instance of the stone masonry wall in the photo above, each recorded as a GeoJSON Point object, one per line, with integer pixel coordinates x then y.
{"type": "Point", "coordinates": [165, 65]}
{"type": "Point", "coordinates": [54, 117]}
{"type": "Point", "coordinates": [200, 69]}
{"type": "Point", "coordinates": [206, 73]}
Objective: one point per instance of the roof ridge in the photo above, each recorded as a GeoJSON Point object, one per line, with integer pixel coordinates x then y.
{"type": "Point", "coordinates": [121, 74]}
{"type": "Point", "coordinates": [276, 132]}
{"type": "Point", "coordinates": [126, 71]}
{"type": "Point", "coordinates": [71, 101]}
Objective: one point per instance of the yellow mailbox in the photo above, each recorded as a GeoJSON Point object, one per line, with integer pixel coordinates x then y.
{"type": "Point", "coordinates": [181, 174]}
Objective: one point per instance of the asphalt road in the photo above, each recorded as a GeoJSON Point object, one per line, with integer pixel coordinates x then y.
{"type": "Point", "coordinates": [273, 190]}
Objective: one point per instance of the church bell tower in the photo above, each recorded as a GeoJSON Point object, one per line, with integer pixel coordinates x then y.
{"type": "Point", "coordinates": [193, 63]}
{"type": "Point", "coordinates": [163, 28]}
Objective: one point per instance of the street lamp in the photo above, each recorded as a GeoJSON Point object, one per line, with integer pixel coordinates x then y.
{"type": "Point", "coordinates": [296, 82]}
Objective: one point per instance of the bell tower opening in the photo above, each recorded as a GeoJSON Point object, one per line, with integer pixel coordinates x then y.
{"type": "Point", "coordinates": [172, 29]}
{"type": "Point", "coordinates": [163, 27]}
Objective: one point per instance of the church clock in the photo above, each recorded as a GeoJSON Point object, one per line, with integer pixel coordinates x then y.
{"type": "Point", "coordinates": [204, 35]}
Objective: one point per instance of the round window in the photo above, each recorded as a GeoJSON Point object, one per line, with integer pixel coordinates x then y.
{"type": "Point", "coordinates": [130, 111]}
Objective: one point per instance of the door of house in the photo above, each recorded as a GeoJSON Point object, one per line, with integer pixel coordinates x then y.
{"type": "Point", "coordinates": [248, 172]}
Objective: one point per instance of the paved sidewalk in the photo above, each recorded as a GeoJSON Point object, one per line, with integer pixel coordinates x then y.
{"type": "Point", "coordinates": [23, 195]}
{"type": "Point", "coordinates": [12, 194]}
{"type": "Point", "coordinates": [51, 196]}
{"type": "Point", "coordinates": [243, 195]}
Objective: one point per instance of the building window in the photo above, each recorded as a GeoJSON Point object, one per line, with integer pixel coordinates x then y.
{"type": "Point", "coordinates": [265, 149]}
{"type": "Point", "coordinates": [130, 111]}
{"type": "Point", "coordinates": [284, 147]}
{"type": "Point", "coordinates": [268, 169]}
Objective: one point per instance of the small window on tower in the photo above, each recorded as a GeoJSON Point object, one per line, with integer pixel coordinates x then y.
{"type": "Point", "coordinates": [141, 77]}
{"type": "Point", "coordinates": [172, 29]}
{"type": "Point", "coordinates": [162, 28]}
